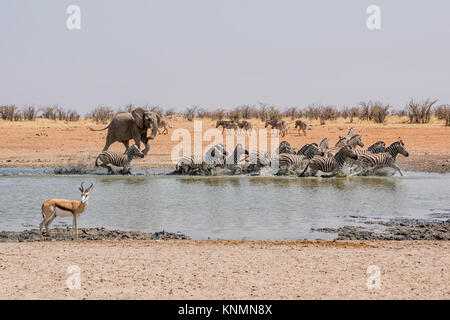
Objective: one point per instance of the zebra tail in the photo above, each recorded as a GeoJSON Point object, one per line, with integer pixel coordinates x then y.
{"type": "Point", "coordinates": [303, 172]}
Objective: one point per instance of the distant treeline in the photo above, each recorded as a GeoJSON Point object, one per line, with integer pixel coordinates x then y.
{"type": "Point", "coordinates": [417, 112]}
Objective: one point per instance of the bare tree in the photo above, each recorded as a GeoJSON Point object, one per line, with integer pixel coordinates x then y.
{"type": "Point", "coordinates": [420, 112]}
{"type": "Point", "coordinates": [29, 113]}
{"type": "Point", "coordinates": [101, 114]}
{"type": "Point", "coordinates": [442, 112]}
{"type": "Point", "coordinates": [7, 112]}
{"type": "Point", "coordinates": [48, 113]}
{"type": "Point", "coordinates": [191, 112]}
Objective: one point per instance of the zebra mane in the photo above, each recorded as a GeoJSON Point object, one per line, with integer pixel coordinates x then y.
{"type": "Point", "coordinates": [339, 156]}
{"type": "Point", "coordinates": [340, 140]}
{"type": "Point", "coordinates": [324, 143]}
{"type": "Point", "coordinates": [354, 137]}
{"type": "Point", "coordinates": [395, 148]}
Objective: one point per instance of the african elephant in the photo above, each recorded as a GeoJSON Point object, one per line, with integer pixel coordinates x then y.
{"type": "Point", "coordinates": [131, 125]}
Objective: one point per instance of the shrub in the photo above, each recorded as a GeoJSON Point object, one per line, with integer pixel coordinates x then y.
{"type": "Point", "coordinates": [354, 113]}
{"type": "Point", "coordinates": [379, 112]}
{"type": "Point", "coordinates": [49, 113]}
{"type": "Point", "coordinates": [8, 112]}
{"type": "Point", "coordinates": [169, 112]}
{"type": "Point", "coordinates": [102, 114]}
{"type": "Point", "coordinates": [218, 114]}
{"type": "Point", "coordinates": [364, 110]}
{"type": "Point", "coordinates": [420, 112]}
{"type": "Point", "coordinates": [29, 113]}
{"type": "Point", "coordinates": [313, 111]}
{"type": "Point", "coordinates": [273, 113]}
{"type": "Point", "coordinates": [327, 113]}
{"type": "Point", "coordinates": [292, 113]}
{"type": "Point", "coordinates": [156, 109]}
{"type": "Point", "coordinates": [72, 115]}
{"type": "Point", "coordinates": [190, 112]}
{"type": "Point", "coordinates": [373, 111]}
{"type": "Point", "coordinates": [442, 112]}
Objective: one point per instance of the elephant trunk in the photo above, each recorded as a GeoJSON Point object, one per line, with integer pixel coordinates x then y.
{"type": "Point", "coordinates": [154, 131]}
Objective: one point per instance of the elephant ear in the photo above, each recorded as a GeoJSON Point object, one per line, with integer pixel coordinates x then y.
{"type": "Point", "coordinates": [138, 115]}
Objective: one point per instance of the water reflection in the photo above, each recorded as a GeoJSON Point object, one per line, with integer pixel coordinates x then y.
{"type": "Point", "coordinates": [211, 181]}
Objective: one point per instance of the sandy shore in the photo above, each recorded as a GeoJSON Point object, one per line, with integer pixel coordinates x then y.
{"type": "Point", "coordinates": [45, 143]}
{"type": "Point", "coordinates": [225, 270]}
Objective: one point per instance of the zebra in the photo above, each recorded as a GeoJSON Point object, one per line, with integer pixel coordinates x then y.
{"type": "Point", "coordinates": [332, 165]}
{"type": "Point", "coordinates": [272, 123]}
{"type": "Point", "coordinates": [354, 141]}
{"type": "Point", "coordinates": [164, 125]}
{"type": "Point", "coordinates": [302, 126]}
{"type": "Point", "coordinates": [281, 126]}
{"type": "Point", "coordinates": [377, 147]}
{"type": "Point", "coordinates": [310, 151]}
{"type": "Point", "coordinates": [191, 165]}
{"type": "Point", "coordinates": [383, 159]}
{"type": "Point", "coordinates": [118, 159]}
{"type": "Point", "coordinates": [258, 160]}
{"type": "Point", "coordinates": [306, 146]}
{"type": "Point", "coordinates": [245, 125]}
{"type": "Point", "coordinates": [216, 155]}
{"type": "Point", "coordinates": [289, 163]}
{"type": "Point", "coordinates": [227, 124]}
{"type": "Point", "coordinates": [197, 164]}
{"type": "Point", "coordinates": [234, 161]}
{"type": "Point", "coordinates": [285, 147]}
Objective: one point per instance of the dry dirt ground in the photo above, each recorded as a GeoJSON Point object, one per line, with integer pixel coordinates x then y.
{"type": "Point", "coordinates": [211, 269]}
{"type": "Point", "coordinates": [44, 143]}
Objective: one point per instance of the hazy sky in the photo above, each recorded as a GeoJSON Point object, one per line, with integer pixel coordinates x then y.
{"type": "Point", "coordinates": [176, 53]}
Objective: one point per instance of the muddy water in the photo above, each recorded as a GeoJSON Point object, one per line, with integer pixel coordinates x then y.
{"type": "Point", "coordinates": [226, 207]}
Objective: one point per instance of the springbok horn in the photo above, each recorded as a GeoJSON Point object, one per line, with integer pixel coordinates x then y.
{"type": "Point", "coordinates": [82, 188]}
{"type": "Point", "coordinates": [90, 187]}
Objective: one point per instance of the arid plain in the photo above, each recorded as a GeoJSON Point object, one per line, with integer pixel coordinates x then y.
{"type": "Point", "coordinates": [216, 269]}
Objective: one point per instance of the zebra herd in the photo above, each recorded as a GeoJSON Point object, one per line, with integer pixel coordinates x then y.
{"type": "Point", "coordinates": [235, 126]}
{"type": "Point", "coordinates": [281, 125]}
{"type": "Point", "coordinates": [310, 160]}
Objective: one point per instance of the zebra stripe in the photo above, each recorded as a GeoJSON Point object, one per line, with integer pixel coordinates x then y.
{"type": "Point", "coordinates": [377, 147]}
{"type": "Point", "coordinates": [331, 164]}
{"type": "Point", "coordinates": [310, 150]}
{"type": "Point", "coordinates": [215, 156]}
{"type": "Point", "coordinates": [384, 159]}
{"type": "Point", "coordinates": [285, 147]}
{"type": "Point", "coordinates": [118, 159]}
{"type": "Point", "coordinates": [190, 164]}
{"type": "Point", "coordinates": [289, 160]}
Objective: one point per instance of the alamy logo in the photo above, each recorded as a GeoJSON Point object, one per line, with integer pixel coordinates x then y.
{"type": "Point", "coordinates": [73, 281]}
{"type": "Point", "coordinates": [374, 20]}
{"type": "Point", "coordinates": [374, 279]}
{"type": "Point", "coordinates": [73, 22]}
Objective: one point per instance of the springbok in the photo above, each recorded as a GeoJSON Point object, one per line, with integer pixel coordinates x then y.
{"type": "Point", "coordinates": [64, 208]}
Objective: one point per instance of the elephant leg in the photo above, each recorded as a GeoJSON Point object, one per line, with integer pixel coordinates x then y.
{"type": "Point", "coordinates": [110, 139]}
{"type": "Point", "coordinates": [126, 144]}
{"type": "Point", "coordinates": [107, 144]}
{"type": "Point", "coordinates": [146, 144]}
